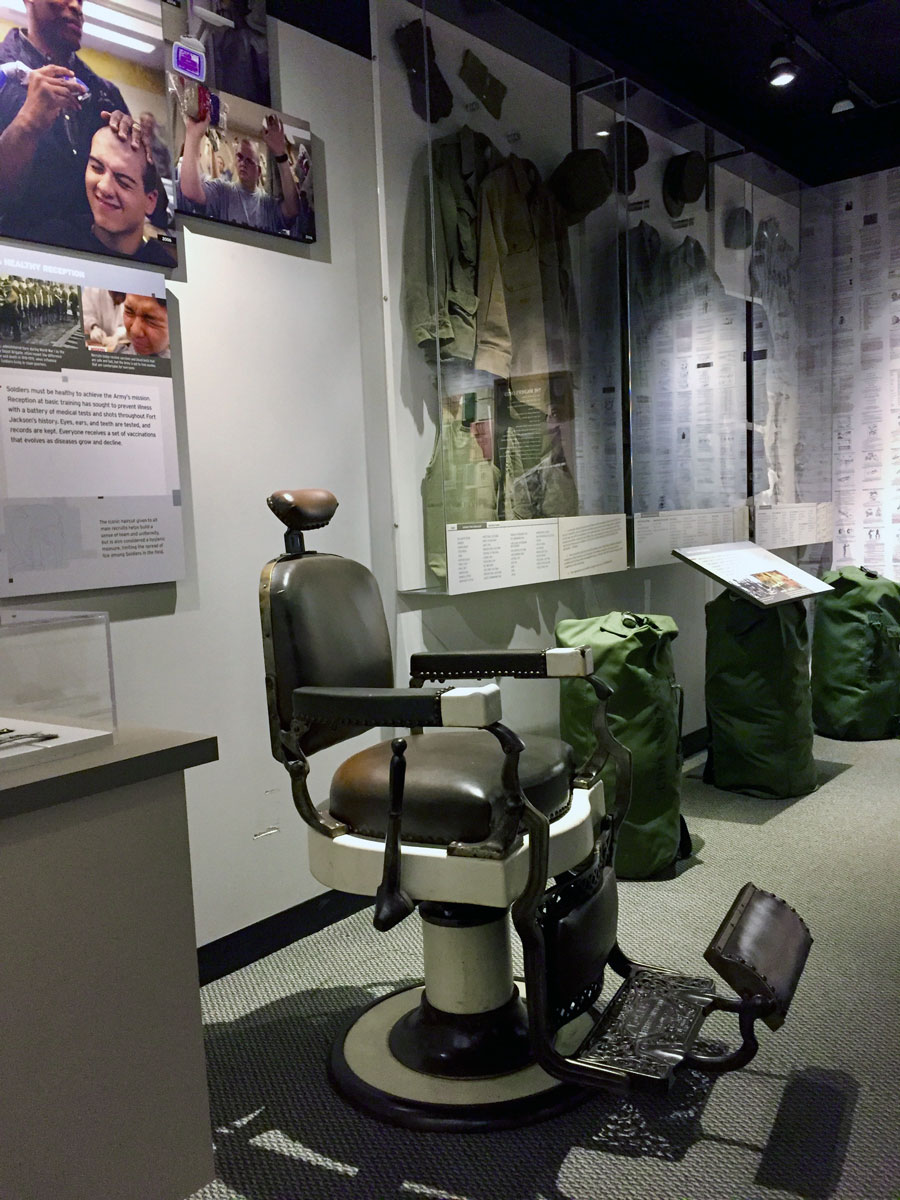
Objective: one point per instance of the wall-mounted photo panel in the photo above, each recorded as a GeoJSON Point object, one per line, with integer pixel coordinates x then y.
{"type": "Point", "coordinates": [86, 163]}
{"type": "Point", "coordinates": [89, 483]}
{"type": "Point", "coordinates": [241, 163]}
{"type": "Point", "coordinates": [236, 47]}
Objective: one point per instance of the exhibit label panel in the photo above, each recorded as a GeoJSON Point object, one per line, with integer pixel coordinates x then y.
{"type": "Point", "coordinates": [657, 534]}
{"type": "Point", "coordinates": [753, 572]}
{"type": "Point", "coordinates": [495, 554]}
{"type": "Point", "coordinates": [90, 493]}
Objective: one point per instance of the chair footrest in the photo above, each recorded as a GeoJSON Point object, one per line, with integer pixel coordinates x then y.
{"type": "Point", "coordinates": [648, 1026]}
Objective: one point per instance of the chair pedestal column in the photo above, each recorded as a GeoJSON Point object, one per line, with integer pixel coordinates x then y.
{"type": "Point", "coordinates": [452, 1054]}
{"type": "Point", "coordinates": [471, 1022]}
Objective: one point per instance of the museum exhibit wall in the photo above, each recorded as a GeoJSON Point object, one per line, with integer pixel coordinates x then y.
{"type": "Point", "coordinates": [282, 387]}
{"type": "Point", "coordinates": [866, 370]}
{"type": "Point", "coordinates": [282, 376]}
{"type": "Point", "coordinates": [536, 125]}
{"type": "Point", "coordinates": [297, 371]}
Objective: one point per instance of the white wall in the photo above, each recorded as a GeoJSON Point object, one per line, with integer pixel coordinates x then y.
{"type": "Point", "coordinates": [278, 356]}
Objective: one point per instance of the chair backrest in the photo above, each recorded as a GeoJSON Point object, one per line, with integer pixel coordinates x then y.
{"type": "Point", "coordinates": [323, 625]}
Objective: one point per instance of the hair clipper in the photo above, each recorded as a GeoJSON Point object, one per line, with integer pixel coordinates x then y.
{"type": "Point", "coordinates": [200, 104]}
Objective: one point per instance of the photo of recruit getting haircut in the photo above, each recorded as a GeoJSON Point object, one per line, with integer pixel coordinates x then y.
{"type": "Point", "coordinates": [241, 163]}
{"type": "Point", "coordinates": [84, 159]}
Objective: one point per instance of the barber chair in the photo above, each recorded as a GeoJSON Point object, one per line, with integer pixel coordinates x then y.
{"type": "Point", "coordinates": [466, 823]}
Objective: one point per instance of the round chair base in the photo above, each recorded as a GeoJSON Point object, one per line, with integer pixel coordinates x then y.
{"type": "Point", "coordinates": [366, 1073]}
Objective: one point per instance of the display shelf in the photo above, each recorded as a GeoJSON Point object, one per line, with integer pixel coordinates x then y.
{"type": "Point", "coordinates": [26, 742]}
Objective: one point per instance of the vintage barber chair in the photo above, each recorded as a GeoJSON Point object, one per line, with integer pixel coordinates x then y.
{"type": "Point", "coordinates": [435, 821]}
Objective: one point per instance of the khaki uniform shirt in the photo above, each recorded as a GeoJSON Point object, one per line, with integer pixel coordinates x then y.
{"type": "Point", "coordinates": [526, 321]}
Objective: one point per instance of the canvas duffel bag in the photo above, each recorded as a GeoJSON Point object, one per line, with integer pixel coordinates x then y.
{"type": "Point", "coordinates": [758, 702]}
{"type": "Point", "coordinates": [633, 655]}
{"type": "Point", "coordinates": [856, 657]}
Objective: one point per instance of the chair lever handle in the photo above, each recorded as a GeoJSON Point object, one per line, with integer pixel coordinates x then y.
{"type": "Point", "coordinates": [392, 904]}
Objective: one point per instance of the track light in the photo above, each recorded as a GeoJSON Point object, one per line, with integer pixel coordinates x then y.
{"type": "Point", "coordinates": [782, 71]}
{"type": "Point", "coordinates": [843, 103]}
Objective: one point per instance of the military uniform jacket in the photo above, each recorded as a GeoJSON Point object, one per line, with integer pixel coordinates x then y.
{"type": "Point", "coordinates": [527, 320]}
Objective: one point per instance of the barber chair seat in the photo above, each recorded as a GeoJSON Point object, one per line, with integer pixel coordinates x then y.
{"type": "Point", "coordinates": [466, 823]}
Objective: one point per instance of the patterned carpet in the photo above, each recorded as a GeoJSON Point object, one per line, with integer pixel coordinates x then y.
{"type": "Point", "coordinates": [816, 1114]}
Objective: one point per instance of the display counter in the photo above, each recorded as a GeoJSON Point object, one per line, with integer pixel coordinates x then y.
{"type": "Point", "coordinates": [104, 1082]}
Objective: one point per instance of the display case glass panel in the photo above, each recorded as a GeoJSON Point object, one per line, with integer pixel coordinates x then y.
{"type": "Point", "coordinates": [510, 448]}
{"type": "Point", "coordinates": [57, 695]}
{"type": "Point", "coordinates": [790, 272]}
{"type": "Point", "coordinates": [684, 290]}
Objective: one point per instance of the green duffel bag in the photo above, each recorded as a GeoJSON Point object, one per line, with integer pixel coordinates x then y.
{"type": "Point", "coordinates": [856, 657]}
{"type": "Point", "coordinates": [758, 703]}
{"type": "Point", "coordinates": [633, 654]}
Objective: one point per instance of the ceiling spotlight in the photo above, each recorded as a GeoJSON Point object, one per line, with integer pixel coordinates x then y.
{"type": "Point", "coordinates": [602, 133]}
{"type": "Point", "coordinates": [782, 69]}
{"type": "Point", "coordinates": [844, 103]}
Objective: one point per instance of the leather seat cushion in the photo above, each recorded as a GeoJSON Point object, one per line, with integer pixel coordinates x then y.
{"type": "Point", "coordinates": [452, 783]}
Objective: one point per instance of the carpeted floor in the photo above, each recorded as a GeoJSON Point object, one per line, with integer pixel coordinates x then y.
{"type": "Point", "coordinates": [815, 1115]}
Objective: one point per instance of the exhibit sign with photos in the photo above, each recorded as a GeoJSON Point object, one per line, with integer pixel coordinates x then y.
{"type": "Point", "coordinates": [87, 163]}
{"type": "Point", "coordinates": [753, 573]}
{"type": "Point", "coordinates": [240, 161]}
{"type": "Point", "coordinates": [89, 490]}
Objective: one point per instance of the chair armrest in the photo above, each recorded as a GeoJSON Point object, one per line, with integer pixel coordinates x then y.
{"type": "Point", "coordinates": [558, 662]}
{"type": "Point", "coordinates": [407, 708]}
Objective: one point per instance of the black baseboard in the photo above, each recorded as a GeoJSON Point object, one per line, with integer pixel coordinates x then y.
{"type": "Point", "coordinates": [693, 743]}
{"type": "Point", "coordinates": [246, 946]}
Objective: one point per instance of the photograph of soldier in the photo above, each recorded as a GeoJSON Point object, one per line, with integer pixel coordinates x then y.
{"type": "Point", "coordinates": [36, 312]}
{"type": "Point", "coordinates": [102, 315]}
{"type": "Point", "coordinates": [62, 81]}
{"type": "Point", "coordinates": [123, 188]}
{"type": "Point", "coordinates": [237, 52]}
{"type": "Point", "coordinates": [146, 322]}
{"type": "Point", "coordinates": [251, 169]}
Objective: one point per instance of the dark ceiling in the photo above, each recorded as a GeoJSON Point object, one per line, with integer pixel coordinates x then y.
{"type": "Point", "coordinates": [711, 56]}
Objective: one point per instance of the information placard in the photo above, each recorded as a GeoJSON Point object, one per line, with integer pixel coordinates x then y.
{"type": "Point", "coordinates": [592, 545]}
{"type": "Point", "coordinates": [657, 534]}
{"type": "Point", "coordinates": [793, 524]}
{"type": "Point", "coordinates": [497, 554]}
{"type": "Point", "coordinates": [752, 572]}
{"type": "Point", "coordinates": [89, 493]}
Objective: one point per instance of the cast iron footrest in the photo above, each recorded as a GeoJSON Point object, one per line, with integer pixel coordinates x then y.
{"type": "Point", "coordinates": [648, 1026]}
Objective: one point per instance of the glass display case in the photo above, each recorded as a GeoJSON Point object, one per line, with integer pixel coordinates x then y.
{"type": "Point", "coordinates": [487, 214]}
{"type": "Point", "coordinates": [791, 273]}
{"type": "Point", "coordinates": [57, 695]}
{"type": "Point", "coordinates": [682, 260]}
{"type": "Point", "coordinates": [599, 347]}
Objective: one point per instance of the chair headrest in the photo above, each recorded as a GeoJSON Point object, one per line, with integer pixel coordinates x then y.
{"type": "Point", "coordinates": [306, 508]}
